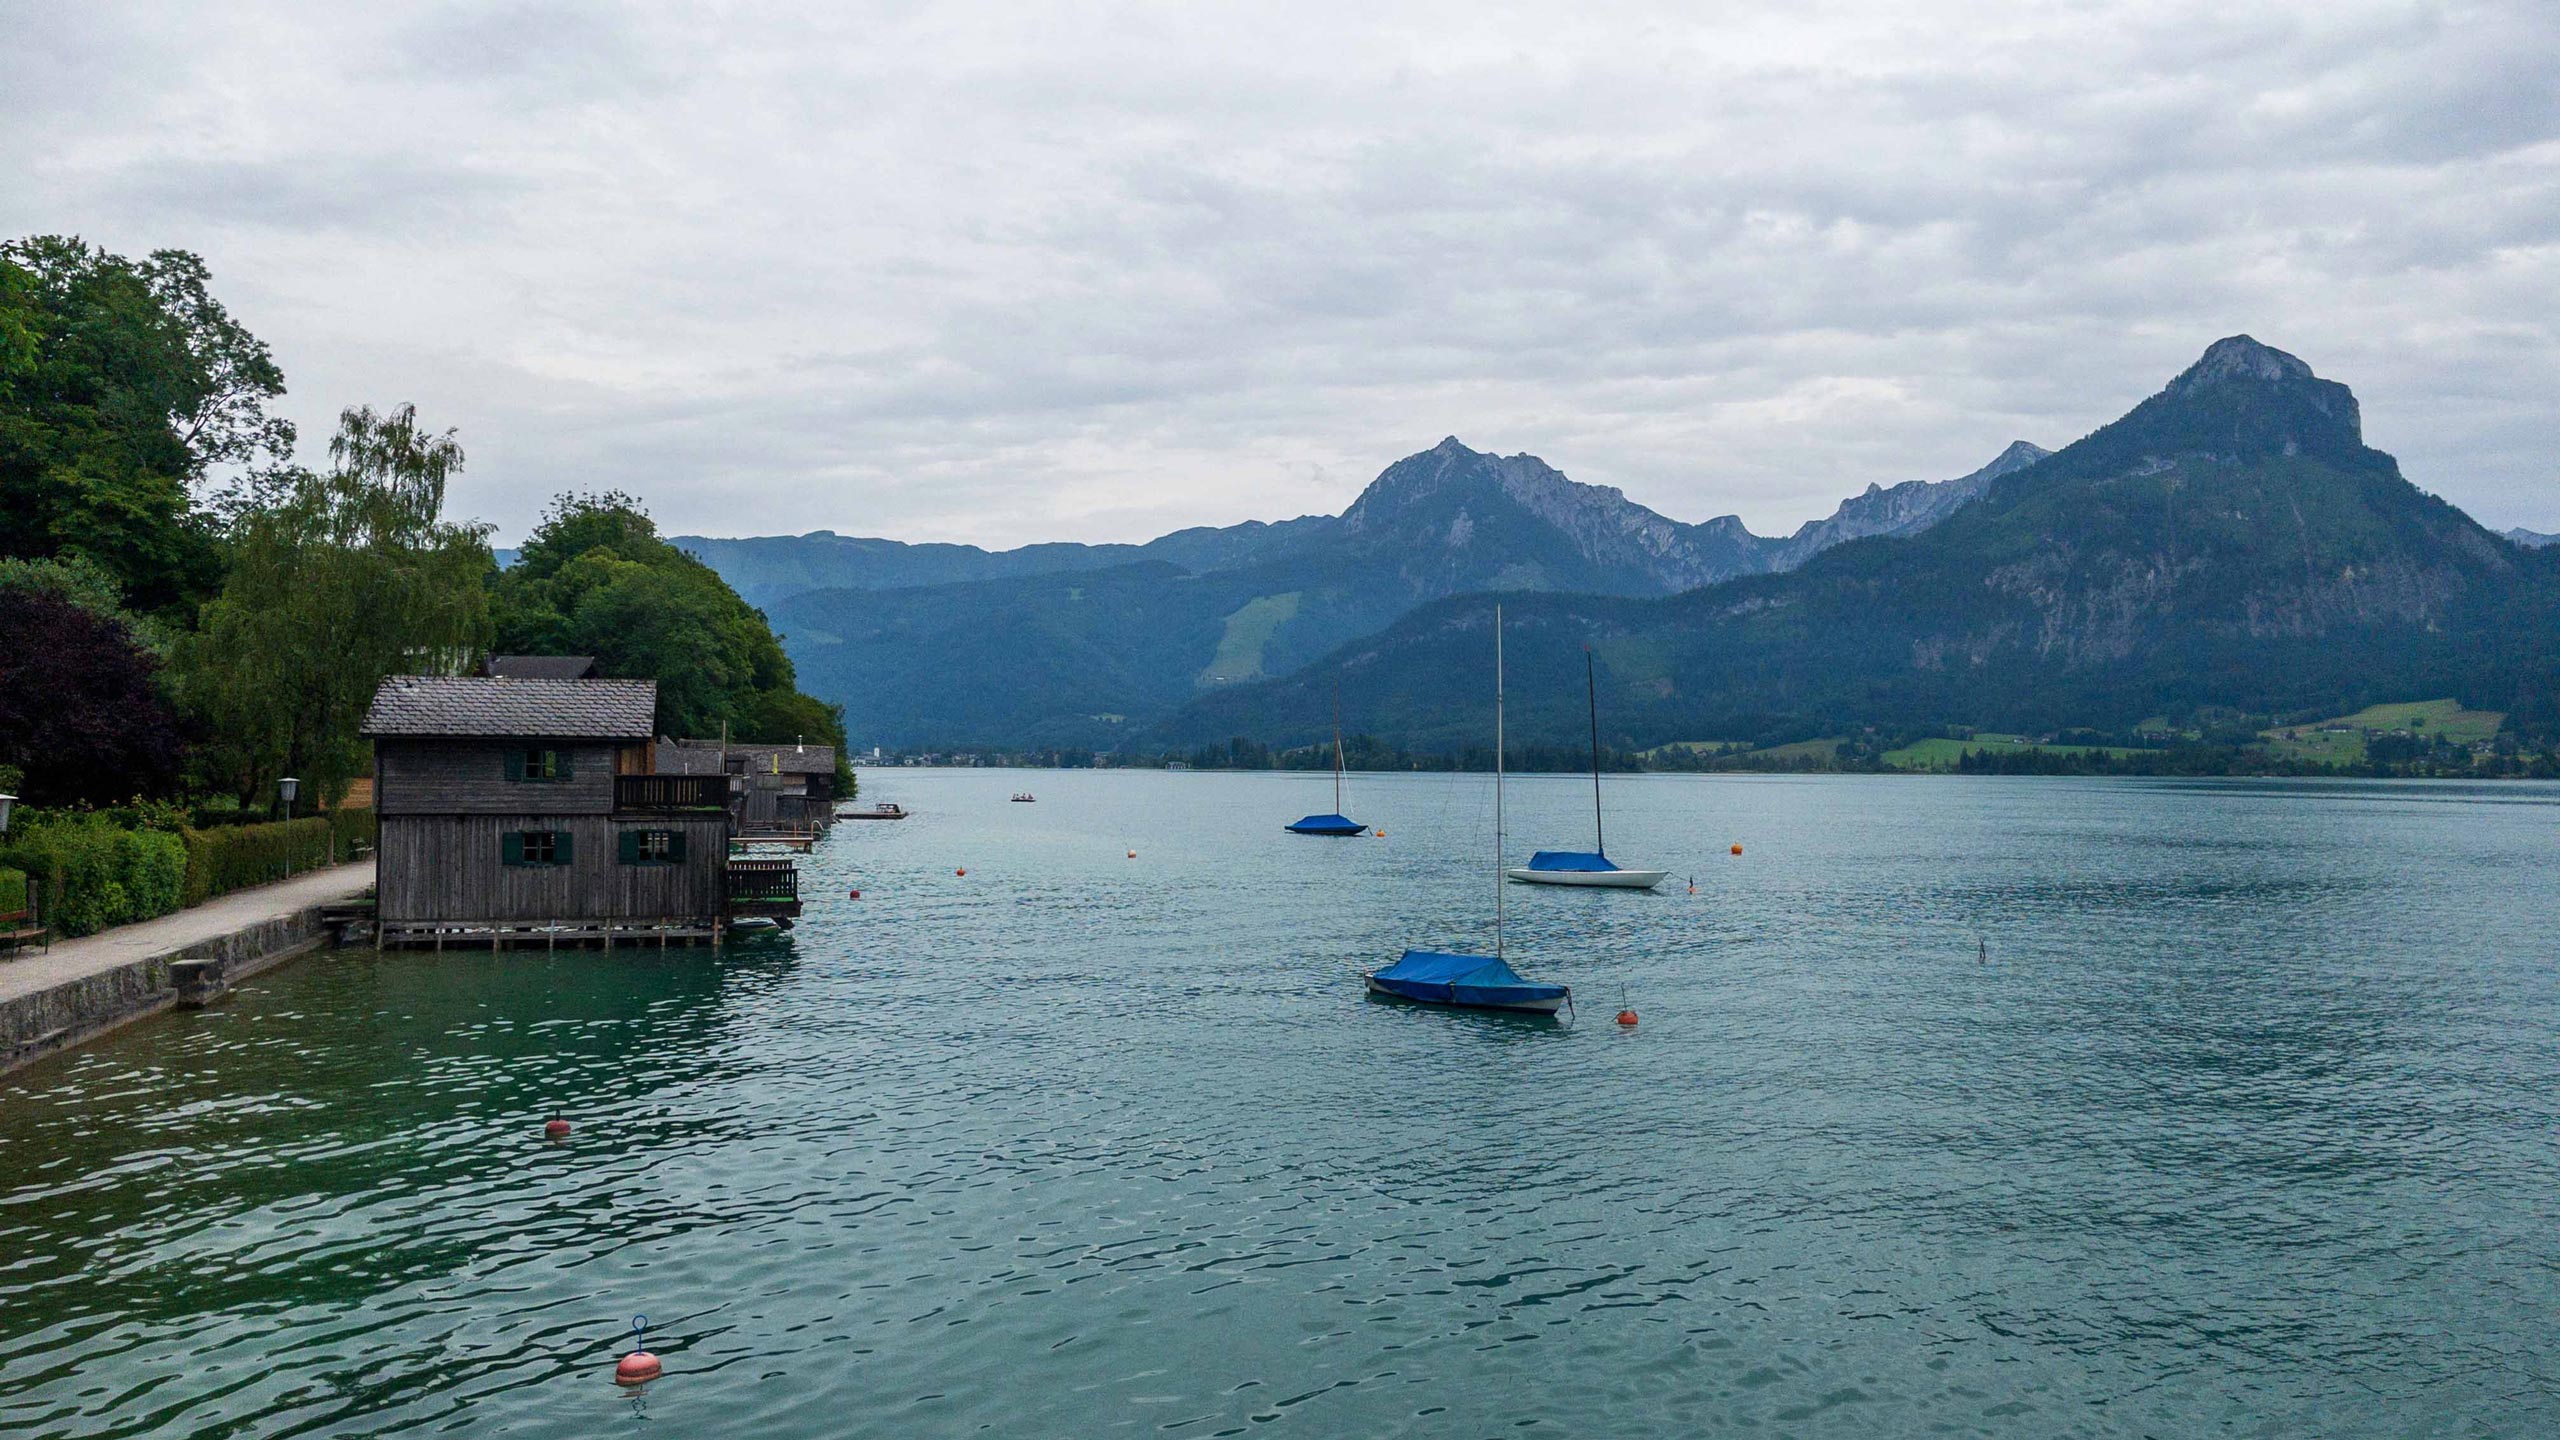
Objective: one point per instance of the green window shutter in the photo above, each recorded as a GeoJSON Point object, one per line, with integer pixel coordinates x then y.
{"type": "Point", "coordinates": [560, 839]}
{"type": "Point", "coordinates": [559, 764]}
{"type": "Point", "coordinates": [675, 846]}
{"type": "Point", "coordinates": [511, 848]}
{"type": "Point", "coordinates": [515, 765]}
{"type": "Point", "coordinates": [626, 846]}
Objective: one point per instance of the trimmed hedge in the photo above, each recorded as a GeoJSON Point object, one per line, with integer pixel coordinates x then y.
{"type": "Point", "coordinates": [86, 873]}
{"type": "Point", "coordinates": [89, 875]}
{"type": "Point", "coordinates": [238, 856]}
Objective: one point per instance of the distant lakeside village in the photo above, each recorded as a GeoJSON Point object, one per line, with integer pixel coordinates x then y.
{"type": "Point", "coordinates": [2436, 739]}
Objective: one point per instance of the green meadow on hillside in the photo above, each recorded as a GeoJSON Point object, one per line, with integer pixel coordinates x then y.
{"type": "Point", "coordinates": [2341, 741]}
{"type": "Point", "coordinates": [1943, 754]}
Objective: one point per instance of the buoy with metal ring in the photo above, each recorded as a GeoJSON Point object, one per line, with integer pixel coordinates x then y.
{"type": "Point", "coordinates": [639, 1367]}
{"type": "Point", "coordinates": [1627, 1018]}
{"type": "Point", "coordinates": [963, 870]}
{"type": "Point", "coordinates": [555, 1128]}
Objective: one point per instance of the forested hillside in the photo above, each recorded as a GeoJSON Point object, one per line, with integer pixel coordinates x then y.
{"type": "Point", "coordinates": [2231, 545]}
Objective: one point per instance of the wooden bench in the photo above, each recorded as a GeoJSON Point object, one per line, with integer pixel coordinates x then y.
{"type": "Point", "coordinates": [18, 928]}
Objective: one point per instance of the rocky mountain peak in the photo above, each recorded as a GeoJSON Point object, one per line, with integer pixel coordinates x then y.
{"type": "Point", "coordinates": [2238, 401]}
{"type": "Point", "coordinates": [2240, 357]}
{"type": "Point", "coordinates": [2018, 456]}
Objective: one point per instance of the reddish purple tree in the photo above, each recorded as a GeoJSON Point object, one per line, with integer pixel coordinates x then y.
{"type": "Point", "coordinates": [80, 709]}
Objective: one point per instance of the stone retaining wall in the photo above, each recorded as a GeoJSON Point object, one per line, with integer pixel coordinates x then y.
{"type": "Point", "coordinates": [37, 1025]}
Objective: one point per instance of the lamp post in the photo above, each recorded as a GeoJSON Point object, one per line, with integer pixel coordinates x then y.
{"type": "Point", "coordinates": [287, 788]}
{"type": "Point", "coordinates": [7, 804]}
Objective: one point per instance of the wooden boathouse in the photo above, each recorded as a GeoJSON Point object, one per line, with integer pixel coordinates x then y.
{"type": "Point", "coordinates": [531, 811]}
{"type": "Point", "coordinates": [779, 794]}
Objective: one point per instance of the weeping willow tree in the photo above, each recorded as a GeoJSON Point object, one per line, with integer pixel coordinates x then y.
{"type": "Point", "coordinates": [335, 580]}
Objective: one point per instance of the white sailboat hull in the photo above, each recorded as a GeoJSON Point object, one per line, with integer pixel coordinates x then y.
{"type": "Point", "coordinates": [1605, 879]}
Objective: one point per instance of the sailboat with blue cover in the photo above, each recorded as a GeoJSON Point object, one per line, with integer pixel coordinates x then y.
{"type": "Point", "coordinates": [1474, 982]}
{"type": "Point", "coordinates": [1591, 867]}
{"type": "Point", "coordinates": [1337, 823]}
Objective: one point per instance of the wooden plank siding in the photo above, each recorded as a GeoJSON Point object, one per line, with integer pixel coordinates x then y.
{"type": "Point", "coordinates": [452, 867]}
{"type": "Point", "coordinates": [469, 777]}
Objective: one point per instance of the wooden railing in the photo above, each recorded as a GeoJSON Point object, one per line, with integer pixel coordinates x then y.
{"type": "Point", "coordinates": [763, 882]}
{"type": "Point", "coordinates": [657, 793]}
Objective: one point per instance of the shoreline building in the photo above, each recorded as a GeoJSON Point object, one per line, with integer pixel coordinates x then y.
{"type": "Point", "coordinates": [775, 791]}
{"type": "Point", "coordinates": [532, 811]}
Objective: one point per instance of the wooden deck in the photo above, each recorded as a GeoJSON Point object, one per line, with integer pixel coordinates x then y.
{"type": "Point", "coordinates": [547, 934]}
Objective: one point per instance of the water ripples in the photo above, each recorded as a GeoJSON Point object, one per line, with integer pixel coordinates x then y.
{"type": "Point", "coordinates": [2247, 1124]}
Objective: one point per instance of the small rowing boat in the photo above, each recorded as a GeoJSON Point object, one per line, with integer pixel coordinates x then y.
{"type": "Point", "coordinates": [876, 812]}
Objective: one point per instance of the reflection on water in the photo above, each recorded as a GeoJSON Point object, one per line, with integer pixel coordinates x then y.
{"type": "Point", "coordinates": [2247, 1123]}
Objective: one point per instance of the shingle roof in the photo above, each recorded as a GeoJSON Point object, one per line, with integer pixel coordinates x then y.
{"type": "Point", "coordinates": [543, 667]}
{"type": "Point", "coordinates": [796, 759]}
{"type": "Point", "coordinates": [702, 757]}
{"type": "Point", "coordinates": [689, 757]}
{"type": "Point", "coordinates": [535, 709]}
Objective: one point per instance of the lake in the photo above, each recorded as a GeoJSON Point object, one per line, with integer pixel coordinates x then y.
{"type": "Point", "coordinates": [2248, 1124]}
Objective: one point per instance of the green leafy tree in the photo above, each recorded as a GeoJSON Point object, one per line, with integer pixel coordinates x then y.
{"type": "Point", "coordinates": [595, 578]}
{"type": "Point", "coordinates": [336, 581]}
{"type": "Point", "coordinates": [125, 388]}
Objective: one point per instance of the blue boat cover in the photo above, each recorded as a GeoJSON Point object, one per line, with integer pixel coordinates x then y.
{"type": "Point", "coordinates": [1461, 980]}
{"type": "Point", "coordinates": [1569, 860]}
{"type": "Point", "coordinates": [1327, 825]}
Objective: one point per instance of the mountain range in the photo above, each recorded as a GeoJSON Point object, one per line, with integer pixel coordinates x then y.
{"type": "Point", "coordinates": [2229, 545]}
{"type": "Point", "coordinates": [1088, 645]}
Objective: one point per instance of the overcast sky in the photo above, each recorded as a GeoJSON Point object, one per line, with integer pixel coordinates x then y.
{"type": "Point", "coordinates": [967, 272]}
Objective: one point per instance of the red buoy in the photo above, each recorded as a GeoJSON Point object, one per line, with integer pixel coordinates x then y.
{"type": "Point", "coordinates": [555, 1128]}
{"type": "Point", "coordinates": [1133, 854]}
{"type": "Point", "coordinates": [1627, 1018]}
{"type": "Point", "coordinates": [963, 870]}
{"type": "Point", "coordinates": [1737, 849]}
{"type": "Point", "coordinates": [637, 1368]}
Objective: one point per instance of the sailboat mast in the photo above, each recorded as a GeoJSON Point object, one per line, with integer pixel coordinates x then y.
{"type": "Point", "coordinates": [1497, 782]}
{"type": "Point", "coordinates": [1337, 744]}
{"type": "Point", "coordinates": [1591, 687]}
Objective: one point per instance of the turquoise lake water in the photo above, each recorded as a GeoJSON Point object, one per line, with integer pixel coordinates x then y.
{"type": "Point", "coordinates": [2250, 1125]}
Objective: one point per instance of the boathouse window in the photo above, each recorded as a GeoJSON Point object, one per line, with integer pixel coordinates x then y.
{"type": "Point", "coordinates": [652, 847]}
{"type": "Point", "coordinates": [537, 765]}
{"type": "Point", "coordinates": [534, 847]}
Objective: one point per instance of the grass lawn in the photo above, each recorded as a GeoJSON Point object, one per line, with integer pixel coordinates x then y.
{"type": "Point", "coordinates": [1703, 747]}
{"type": "Point", "coordinates": [1942, 754]}
{"type": "Point", "coordinates": [2341, 741]}
{"type": "Point", "coordinates": [1828, 749]}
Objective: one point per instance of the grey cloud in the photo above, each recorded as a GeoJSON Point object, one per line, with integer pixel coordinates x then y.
{"type": "Point", "coordinates": [948, 272]}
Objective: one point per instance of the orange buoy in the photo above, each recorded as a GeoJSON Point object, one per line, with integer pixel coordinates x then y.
{"type": "Point", "coordinates": [1737, 849]}
{"type": "Point", "coordinates": [963, 870]}
{"type": "Point", "coordinates": [555, 1128]}
{"type": "Point", "coordinates": [1627, 1018]}
{"type": "Point", "coordinates": [639, 1367]}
